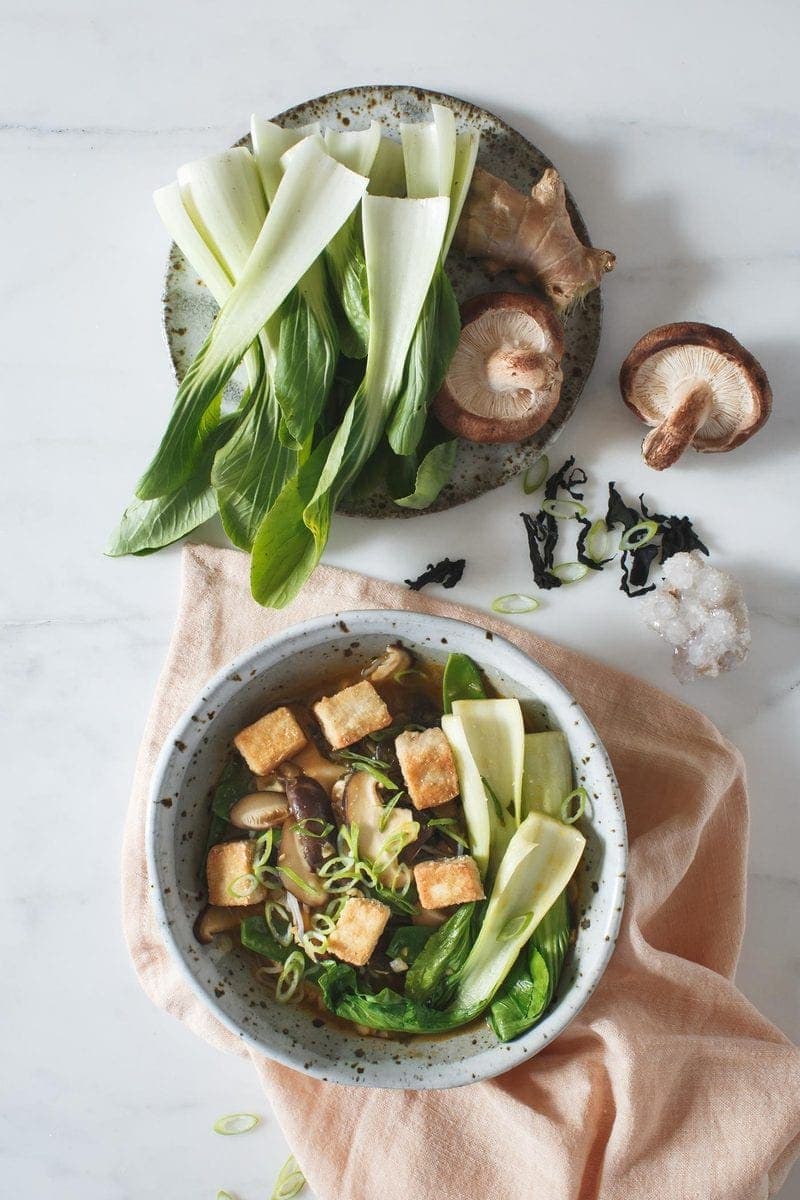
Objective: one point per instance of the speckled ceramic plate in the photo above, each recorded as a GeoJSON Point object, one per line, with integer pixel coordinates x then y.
{"type": "Point", "coordinates": [189, 309]}
{"type": "Point", "coordinates": [190, 764]}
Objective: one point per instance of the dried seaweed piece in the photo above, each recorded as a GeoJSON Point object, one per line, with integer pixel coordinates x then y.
{"type": "Point", "coordinates": [447, 572]}
{"type": "Point", "coordinates": [542, 531]}
{"type": "Point", "coordinates": [627, 583]}
{"type": "Point", "coordinates": [678, 535]}
{"type": "Point", "coordinates": [570, 483]}
{"type": "Point", "coordinates": [620, 513]}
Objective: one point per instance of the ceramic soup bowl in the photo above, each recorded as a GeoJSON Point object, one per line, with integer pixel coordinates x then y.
{"type": "Point", "coordinates": [179, 813]}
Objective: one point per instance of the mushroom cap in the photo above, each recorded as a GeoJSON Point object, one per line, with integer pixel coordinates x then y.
{"type": "Point", "coordinates": [669, 361]}
{"type": "Point", "coordinates": [504, 380]}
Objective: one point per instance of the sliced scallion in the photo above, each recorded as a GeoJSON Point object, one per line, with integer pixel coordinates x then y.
{"type": "Point", "coordinates": [597, 538]}
{"type": "Point", "coordinates": [278, 921]}
{"type": "Point", "coordinates": [235, 1123]}
{"type": "Point", "coordinates": [569, 572]}
{"type": "Point", "coordinates": [514, 927]}
{"type": "Point", "coordinates": [639, 535]}
{"type": "Point", "coordinates": [242, 886]}
{"type": "Point", "coordinates": [290, 977]}
{"type": "Point", "coordinates": [290, 1181]}
{"type": "Point", "coordinates": [515, 602]}
{"type": "Point", "coordinates": [223, 1195]}
{"type": "Point", "coordinates": [535, 475]}
{"type": "Point", "coordinates": [573, 806]}
{"type": "Point", "coordinates": [564, 510]}
{"type": "Point", "coordinates": [388, 809]}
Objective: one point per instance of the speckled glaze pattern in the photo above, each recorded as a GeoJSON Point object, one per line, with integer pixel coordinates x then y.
{"type": "Point", "coordinates": [189, 309]}
{"type": "Point", "coordinates": [178, 819]}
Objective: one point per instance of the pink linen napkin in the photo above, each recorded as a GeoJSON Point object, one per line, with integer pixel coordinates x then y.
{"type": "Point", "coordinates": [667, 1083]}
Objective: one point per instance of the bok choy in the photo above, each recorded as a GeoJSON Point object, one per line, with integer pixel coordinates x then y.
{"type": "Point", "coordinates": [313, 200]}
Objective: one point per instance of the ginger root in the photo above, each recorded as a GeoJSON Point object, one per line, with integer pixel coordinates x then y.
{"type": "Point", "coordinates": [531, 236]}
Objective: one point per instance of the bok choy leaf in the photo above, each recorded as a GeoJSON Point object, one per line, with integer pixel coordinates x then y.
{"type": "Point", "coordinates": [314, 198]}
{"type": "Point", "coordinates": [536, 867]}
{"type": "Point", "coordinates": [402, 240]}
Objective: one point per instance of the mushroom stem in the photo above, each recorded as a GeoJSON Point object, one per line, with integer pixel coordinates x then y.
{"type": "Point", "coordinates": [667, 442]}
{"type": "Point", "coordinates": [521, 370]}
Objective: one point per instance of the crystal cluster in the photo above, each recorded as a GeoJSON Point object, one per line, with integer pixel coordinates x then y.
{"type": "Point", "coordinates": [701, 612]}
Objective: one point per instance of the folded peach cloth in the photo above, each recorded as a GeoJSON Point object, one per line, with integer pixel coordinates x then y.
{"type": "Point", "coordinates": [668, 1082]}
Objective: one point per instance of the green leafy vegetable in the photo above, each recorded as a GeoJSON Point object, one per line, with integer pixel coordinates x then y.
{"type": "Point", "coordinates": [385, 1010]}
{"type": "Point", "coordinates": [416, 480]}
{"type": "Point", "coordinates": [315, 197]}
{"type": "Point", "coordinates": [434, 974]}
{"type": "Point", "coordinates": [461, 681]}
{"type": "Point", "coordinates": [551, 939]}
{"type": "Point", "coordinates": [234, 782]}
{"type": "Point", "coordinates": [523, 997]}
{"type": "Point", "coordinates": [308, 350]}
{"type": "Point", "coordinates": [409, 941]}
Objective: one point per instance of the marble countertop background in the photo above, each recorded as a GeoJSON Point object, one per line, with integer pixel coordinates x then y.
{"type": "Point", "coordinates": [677, 128]}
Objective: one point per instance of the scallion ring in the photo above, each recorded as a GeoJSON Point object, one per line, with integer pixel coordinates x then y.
{"type": "Point", "coordinates": [235, 1123]}
{"type": "Point", "coordinates": [535, 475]}
{"type": "Point", "coordinates": [515, 602]}
{"type": "Point", "coordinates": [273, 911]}
{"type": "Point", "coordinates": [639, 535]}
{"type": "Point", "coordinates": [514, 927]}
{"type": "Point", "coordinates": [223, 1195]}
{"type": "Point", "coordinates": [290, 977]}
{"type": "Point", "coordinates": [564, 510]}
{"type": "Point", "coordinates": [415, 672]}
{"type": "Point", "coordinates": [243, 886]}
{"type": "Point", "coordinates": [387, 810]}
{"type": "Point", "coordinates": [573, 806]}
{"type": "Point", "coordinates": [596, 545]}
{"type": "Point", "coordinates": [290, 1181]}
{"type": "Point", "coordinates": [569, 572]}
{"type": "Point", "coordinates": [313, 827]}
{"type": "Point", "coordinates": [293, 877]}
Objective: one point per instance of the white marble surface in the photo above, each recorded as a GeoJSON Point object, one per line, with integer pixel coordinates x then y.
{"type": "Point", "coordinates": [677, 129]}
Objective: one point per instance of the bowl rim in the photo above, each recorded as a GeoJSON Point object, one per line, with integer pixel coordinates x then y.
{"type": "Point", "coordinates": [486, 1063]}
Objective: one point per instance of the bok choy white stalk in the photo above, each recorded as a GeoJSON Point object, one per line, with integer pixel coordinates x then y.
{"type": "Point", "coordinates": [536, 867]}
{"type": "Point", "coordinates": [495, 734]}
{"type": "Point", "coordinates": [224, 197]}
{"type": "Point", "coordinates": [402, 242]}
{"type": "Point", "coordinates": [313, 199]}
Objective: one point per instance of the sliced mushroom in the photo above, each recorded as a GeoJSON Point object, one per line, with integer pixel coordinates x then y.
{"type": "Point", "coordinates": [504, 380]}
{"type": "Point", "coordinates": [324, 770]}
{"type": "Point", "coordinates": [216, 919]}
{"type": "Point", "coordinates": [259, 810]}
{"type": "Point", "coordinates": [296, 872]}
{"type": "Point", "coordinates": [269, 783]}
{"type": "Point", "coordinates": [394, 658]}
{"type": "Point", "coordinates": [364, 808]}
{"type": "Point", "coordinates": [698, 386]}
{"type": "Point", "coordinates": [312, 817]}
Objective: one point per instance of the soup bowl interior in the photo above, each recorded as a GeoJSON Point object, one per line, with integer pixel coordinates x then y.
{"type": "Point", "coordinates": [286, 667]}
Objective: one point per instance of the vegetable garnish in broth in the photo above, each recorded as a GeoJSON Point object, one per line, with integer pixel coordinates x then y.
{"type": "Point", "coordinates": [394, 847]}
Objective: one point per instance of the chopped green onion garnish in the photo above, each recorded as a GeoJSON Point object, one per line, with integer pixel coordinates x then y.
{"type": "Point", "coordinates": [223, 1195]}
{"type": "Point", "coordinates": [514, 927]}
{"type": "Point", "coordinates": [597, 541]}
{"type": "Point", "coordinates": [564, 510]}
{"type": "Point", "coordinates": [515, 602]}
{"type": "Point", "coordinates": [290, 1181]}
{"type": "Point", "coordinates": [290, 977]}
{"type": "Point", "coordinates": [387, 810]}
{"type": "Point", "coordinates": [638, 535]}
{"type": "Point", "coordinates": [294, 878]}
{"type": "Point", "coordinates": [578, 799]}
{"type": "Point", "coordinates": [236, 1123]}
{"type": "Point", "coordinates": [243, 885]}
{"type": "Point", "coordinates": [399, 676]}
{"type": "Point", "coordinates": [313, 827]}
{"type": "Point", "coordinates": [449, 827]}
{"type": "Point", "coordinates": [490, 792]}
{"type": "Point", "coordinates": [272, 911]}
{"type": "Point", "coordinates": [569, 572]}
{"type": "Point", "coordinates": [535, 475]}
{"type": "Point", "coordinates": [376, 773]}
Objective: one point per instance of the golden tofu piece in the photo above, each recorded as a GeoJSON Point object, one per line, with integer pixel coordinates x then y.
{"type": "Point", "coordinates": [358, 930]}
{"type": "Point", "coordinates": [351, 714]}
{"type": "Point", "coordinates": [448, 881]}
{"type": "Point", "coordinates": [229, 871]}
{"type": "Point", "coordinates": [428, 767]}
{"type": "Point", "coordinates": [269, 742]}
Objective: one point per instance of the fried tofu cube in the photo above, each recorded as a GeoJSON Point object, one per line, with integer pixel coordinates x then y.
{"type": "Point", "coordinates": [270, 741]}
{"type": "Point", "coordinates": [351, 714]}
{"type": "Point", "coordinates": [358, 930]}
{"type": "Point", "coordinates": [428, 767]}
{"type": "Point", "coordinates": [229, 871]}
{"type": "Point", "coordinates": [448, 881]}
